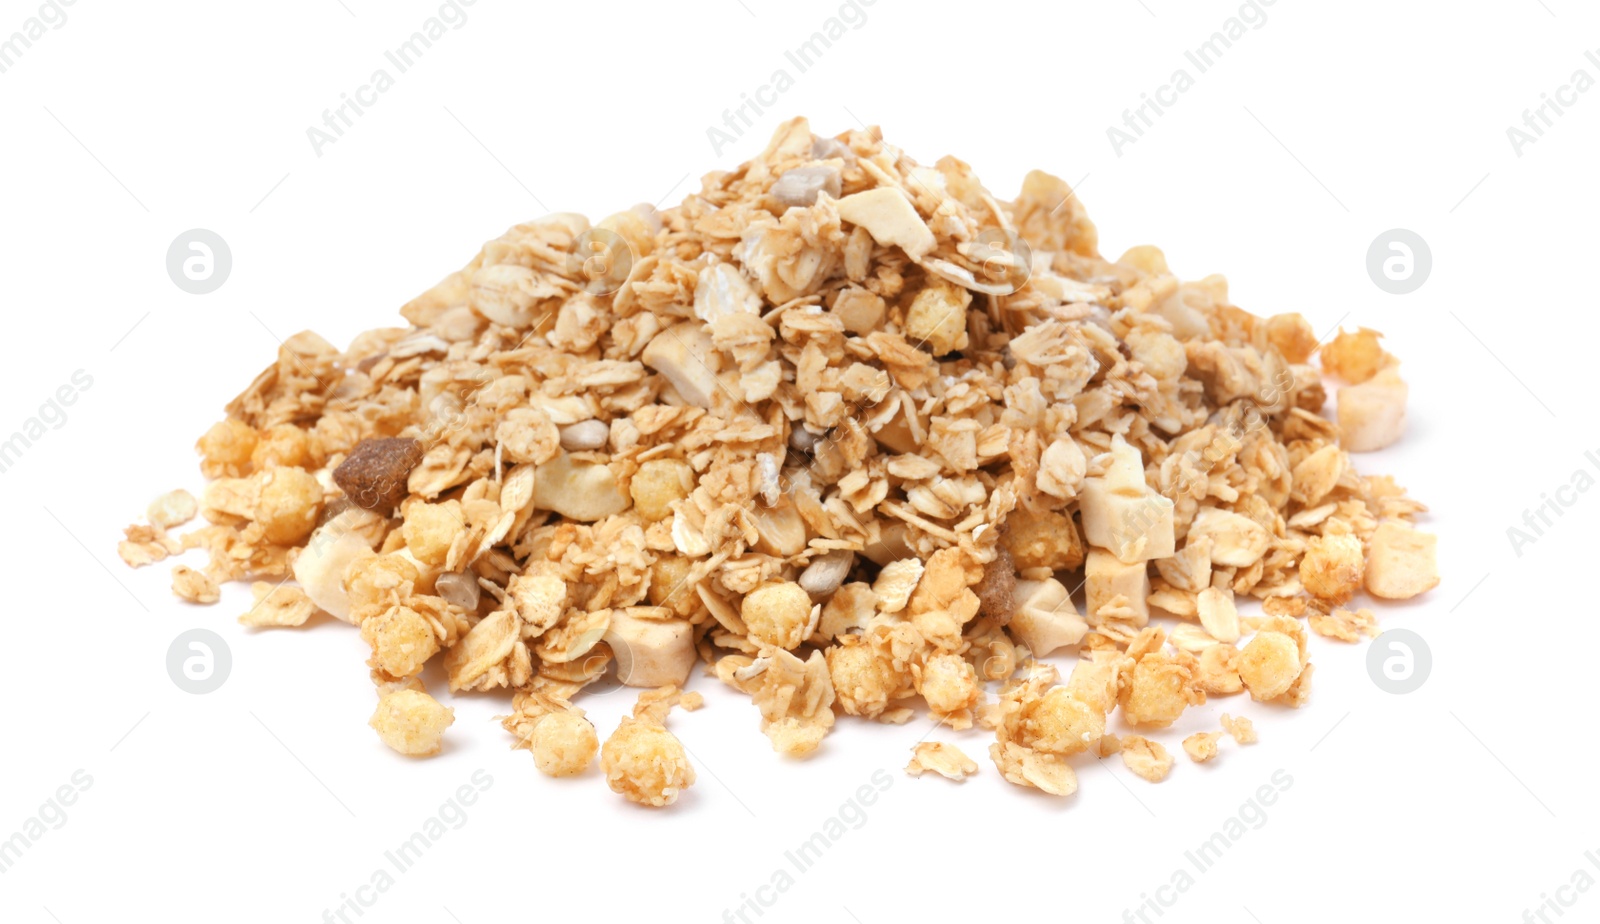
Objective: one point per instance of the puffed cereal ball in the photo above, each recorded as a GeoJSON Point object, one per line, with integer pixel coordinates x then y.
{"type": "Point", "coordinates": [949, 684]}
{"type": "Point", "coordinates": [373, 582]}
{"type": "Point", "coordinates": [291, 499]}
{"type": "Point", "coordinates": [563, 744]}
{"type": "Point", "coordinates": [645, 763]}
{"type": "Point", "coordinates": [402, 641]}
{"type": "Point", "coordinates": [1059, 723]}
{"type": "Point", "coordinates": [412, 723]}
{"type": "Point", "coordinates": [861, 680]}
{"type": "Point", "coordinates": [225, 449]}
{"type": "Point", "coordinates": [281, 444]}
{"type": "Point", "coordinates": [657, 484]}
{"type": "Point", "coordinates": [1269, 665]}
{"type": "Point", "coordinates": [777, 614]}
{"type": "Point", "coordinates": [430, 529]}
{"type": "Point", "coordinates": [1157, 691]}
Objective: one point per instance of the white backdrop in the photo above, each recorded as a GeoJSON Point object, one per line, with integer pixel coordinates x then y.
{"type": "Point", "coordinates": [1319, 128]}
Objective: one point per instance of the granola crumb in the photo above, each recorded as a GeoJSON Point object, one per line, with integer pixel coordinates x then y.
{"type": "Point", "coordinates": [947, 760]}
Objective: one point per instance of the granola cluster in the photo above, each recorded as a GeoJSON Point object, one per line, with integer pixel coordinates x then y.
{"type": "Point", "coordinates": [847, 430]}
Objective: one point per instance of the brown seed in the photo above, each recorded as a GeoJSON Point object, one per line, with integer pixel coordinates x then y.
{"type": "Point", "coordinates": [374, 476]}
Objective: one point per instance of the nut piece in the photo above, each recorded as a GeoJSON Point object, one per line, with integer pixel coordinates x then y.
{"type": "Point", "coordinates": [826, 573]}
{"type": "Point", "coordinates": [1236, 540]}
{"type": "Point", "coordinates": [585, 436]}
{"type": "Point", "coordinates": [652, 649]}
{"type": "Point", "coordinates": [943, 759]}
{"type": "Point", "coordinates": [683, 353]}
{"type": "Point", "coordinates": [1403, 563]}
{"type": "Point", "coordinates": [938, 317]}
{"type": "Point", "coordinates": [1107, 578]}
{"type": "Point", "coordinates": [374, 475]}
{"type": "Point", "coordinates": [1332, 567]}
{"type": "Point", "coordinates": [1122, 514]}
{"type": "Point", "coordinates": [799, 187]}
{"type": "Point", "coordinates": [582, 491]}
{"type": "Point", "coordinates": [1372, 415]}
{"type": "Point", "coordinates": [563, 744]}
{"type": "Point", "coordinates": [411, 722]}
{"type": "Point", "coordinates": [1046, 619]}
{"type": "Point", "coordinates": [891, 219]}
{"type": "Point", "coordinates": [778, 614]}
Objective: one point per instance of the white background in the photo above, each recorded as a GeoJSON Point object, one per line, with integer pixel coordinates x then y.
{"type": "Point", "coordinates": [266, 801]}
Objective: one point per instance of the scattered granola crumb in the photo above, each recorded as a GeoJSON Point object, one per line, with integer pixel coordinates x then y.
{"type": "Point", "coordinates": [194, 586]}
{"type": "Point", "coordinates": [281, 605]}
{"type": "Point", "coordinates": [1201, 746]}
{"type": "Point", "coordinates": [1241, 728]}
{"type": "Point", "coordinates": [1146, 758]}
{"type": "Point", "coordinates": [943, 759]}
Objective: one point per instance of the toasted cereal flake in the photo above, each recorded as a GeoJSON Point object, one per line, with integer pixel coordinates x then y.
{"type": "Point", "coordinates": [280, 605]}
{"type": "Point", "coordinates": [1146, 758]}
{"type": "Point", "coordinates": [1344, 625]}
{"type": "Point", "coordinates": [194, 586]}
{"type": "Point", "coordinates": [947, 760]}
{"type": "Point", "coordinates": [174, 508]}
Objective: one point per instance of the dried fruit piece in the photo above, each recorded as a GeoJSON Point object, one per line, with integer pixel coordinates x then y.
{"type": "Point", "coordinates": [374, 476]}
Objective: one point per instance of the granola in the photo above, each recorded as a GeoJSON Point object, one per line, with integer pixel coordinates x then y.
{"type": "Point", "coordinates": [846, 430]}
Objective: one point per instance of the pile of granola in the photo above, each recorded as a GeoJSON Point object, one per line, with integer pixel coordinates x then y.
{"type": "Point", "coordinates": [847, 430]}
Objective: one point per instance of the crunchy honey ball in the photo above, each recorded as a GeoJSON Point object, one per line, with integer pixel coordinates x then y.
{"type": "Point", "coordinates": [645, 763]}
{"type": "Point", "coordinates": [862, 682]}
{"type": "Point", "coordinates": [282, 444]}
{"type": "Point", "coordinates": [291, 499]}
{"type": "Point", "coordinates": [937, 318]}
{"type": "Point", "coordinates": [374, 475]}
{"type": "Point", "coordinates": [1333, 567]}
{"type": "Point", "coordinates": [374, 582]}
{"type": "Point", "coordinates": [1047, 539]}
{"type": "Point", "coordinates": [777, 614]}
{"type": "Point", "coordinates": [430, 529]}
{"type": "Point", "coordinates": [412, 723]}
{"type": "Point", "coordinates": [949, 684]}
{"type": "Point", "coordinates": [670, 587]}
{"type": "Point", "coordinates": [225, 449]}
{"type": "Point", "coordinates": [1292, 335]}
{"type": "Point", "coordinates": [1059, 723]}
{"type": "Point", "coordinates": [1157, 691]}
{"type": "Point", "coordinates": [1353, 357]}
{"type": "Point", "coordinates": [402, 641]}
{"type": "Point", "coordinates": [1269, 665]}
{"type": "Point", "coordinates": [563, 744]}
{"type": "Point", "coordinates": [657, 484]}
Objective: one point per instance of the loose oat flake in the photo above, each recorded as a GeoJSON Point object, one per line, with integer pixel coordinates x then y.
{"type": "Point", "coordinates": [843, 430]}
